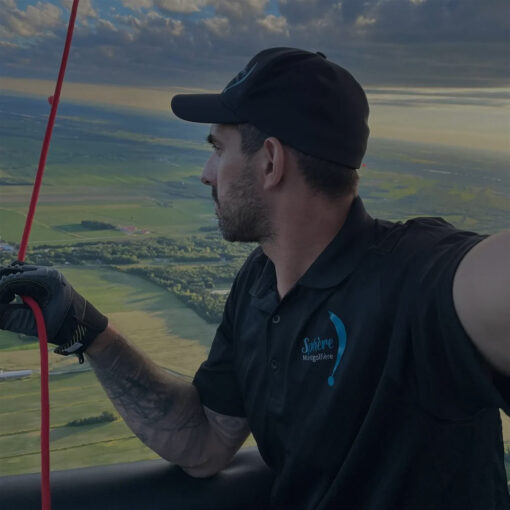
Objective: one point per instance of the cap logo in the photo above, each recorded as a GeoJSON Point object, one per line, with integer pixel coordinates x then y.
{"type": "Point", "coordinates": [240, 78]}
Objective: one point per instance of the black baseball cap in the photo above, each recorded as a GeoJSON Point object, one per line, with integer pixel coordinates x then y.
{"type": "Point", "coordinates": [300, 97]}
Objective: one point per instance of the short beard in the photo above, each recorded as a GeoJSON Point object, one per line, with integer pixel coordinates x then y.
{"type": "Point", "coordinates": [242, 214]}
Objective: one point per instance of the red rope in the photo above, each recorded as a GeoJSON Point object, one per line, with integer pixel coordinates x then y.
{"type": "Point", "coordinates": [47, 136]}
{"type": "Point", "coordinates": [45, 403]}
{"type": "Point", "coordinates": [41, 327]}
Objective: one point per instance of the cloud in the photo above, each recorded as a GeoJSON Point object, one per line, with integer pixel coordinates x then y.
{"type": "Point", "coordinates": [302, 12]}
{"type": "Point", "coordinates": [498, 98]}
{"type": "Point", "coordinates": [362, 21]}
{"type": "Point", "coordinates": [195, 42]}
{"type": "Point", "coordinates": [137, 5]}
{"type": "Point", "coordinates": [36, 20]}
{"type": "Point", "coordinates": [432, 42]}
{"type": "Point", "coordinates": [180, 6]}
{"type": "Point", "coordinates": [85, 9]}
{"type": "Point", "coordinates": [219, 26]}
{"type": "Point", "coordinates": [238, 8]}
{"type": "Point", "coordinates": [155, 99]}
{"type": "Point", "coordinates": [275, 24]}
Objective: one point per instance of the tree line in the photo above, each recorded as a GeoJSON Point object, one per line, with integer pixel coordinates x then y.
{"type": "Point", "coordinates": [198, 269]}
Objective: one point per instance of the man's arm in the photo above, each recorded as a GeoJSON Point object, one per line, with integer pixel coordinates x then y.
{"type": "Point", "coordinates": [481, 294]}
{"type": "Point", "coordinates": [164, 411]}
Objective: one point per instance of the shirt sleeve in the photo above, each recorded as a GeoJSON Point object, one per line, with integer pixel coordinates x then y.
{"type": "Point", "coordinates": [453, 380]}
{"type": "Point", "coordinates": [216, 379]}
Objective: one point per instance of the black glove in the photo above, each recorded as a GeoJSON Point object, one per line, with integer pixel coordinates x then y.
{"type": "Point", "coordinates": [71, 321]}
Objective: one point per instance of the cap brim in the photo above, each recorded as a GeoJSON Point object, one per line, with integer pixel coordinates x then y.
{"type": "Point", "coordinates": [206, 108]}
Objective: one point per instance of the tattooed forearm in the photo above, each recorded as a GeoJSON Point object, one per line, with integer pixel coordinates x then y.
{"type": "Point", "coordinates": [162, 410]}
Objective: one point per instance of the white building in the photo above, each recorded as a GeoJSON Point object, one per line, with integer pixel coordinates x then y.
{"type": "Point", "coordinates": [14, 374]}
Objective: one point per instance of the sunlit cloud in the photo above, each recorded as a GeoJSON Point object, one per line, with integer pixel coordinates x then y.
{"type": "Point", "coordinates": [181, 6]}
{"type": "Point", "coordinates": [275, 24]}
{"type": "Point", "coordinates": [472, 118]}
{"type": "Point", "coordinates": [398, 43]}
{"type": "Point", "coordinates": [85, 8]}
{"type": "Point", "coordinates": [137, 5]}
{"type": "Point", "coordinates": [35, 20]}
{"type": "Point", "coordinates": [219, 26]}
{"type": "Point", "coordinates": [413, 56]}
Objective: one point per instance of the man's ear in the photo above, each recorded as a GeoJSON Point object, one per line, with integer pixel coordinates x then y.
{"type": "Point", "coordinates": [274, 170]}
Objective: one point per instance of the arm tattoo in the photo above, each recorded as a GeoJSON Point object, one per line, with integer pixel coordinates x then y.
{"type": "Point", "coordinates": [161, 409]}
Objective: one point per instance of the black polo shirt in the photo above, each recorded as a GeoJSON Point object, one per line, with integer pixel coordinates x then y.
{"type": "Point", "coordinates": [360, 386]}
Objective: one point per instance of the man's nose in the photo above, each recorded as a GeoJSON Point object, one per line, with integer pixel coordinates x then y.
{"type": "Point", "coordinates": [209, 172]}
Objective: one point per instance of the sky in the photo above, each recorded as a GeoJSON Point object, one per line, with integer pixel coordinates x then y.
{"type": "Point", "coordinates": [434, 70]}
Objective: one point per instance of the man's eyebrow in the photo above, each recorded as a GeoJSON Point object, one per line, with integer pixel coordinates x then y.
{"type": "Point", "coordinates": [212, 140]}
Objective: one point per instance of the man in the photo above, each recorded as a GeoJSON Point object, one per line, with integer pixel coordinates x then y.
{"type": "Point", "coordinates": [368, 358]}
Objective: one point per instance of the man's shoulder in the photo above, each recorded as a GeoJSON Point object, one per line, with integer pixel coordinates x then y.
{"type": "Point", "coordinates": [416, 234]}
{"type": "Point", "coordinates": [412, 248]}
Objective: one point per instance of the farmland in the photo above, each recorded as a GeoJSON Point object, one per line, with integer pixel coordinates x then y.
{"type": "Point", "coordinates": [160, 271]}
{"type": "Point", "coordinates": [153, 319]}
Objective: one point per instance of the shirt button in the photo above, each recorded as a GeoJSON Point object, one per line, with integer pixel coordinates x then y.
{"type": "Point", "coordinates": [274, 364]}
{"type": "Point", "coordinates": [276, 319]}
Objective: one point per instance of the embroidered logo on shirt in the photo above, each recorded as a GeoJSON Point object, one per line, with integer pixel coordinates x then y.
{"type": "Point", "coordinates": [342, 342]}
{"type": "Point", "coordinates": [322, 349]}
{"type": "Point", "coordinates": [317, 349]}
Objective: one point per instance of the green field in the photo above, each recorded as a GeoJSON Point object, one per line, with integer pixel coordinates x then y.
{"type": "Point", "coordinates": [144, 172]}
{"type": "Point", "coordinates": [145, 313]}
{"type": "Point", "coordinates": [151, 318]}
{"type": "Point", "coordinates": [59, 214]}
{"type": "Point", "coordinates": [72, 396]}
{"type": "Point", "coordinates": [141, 175]}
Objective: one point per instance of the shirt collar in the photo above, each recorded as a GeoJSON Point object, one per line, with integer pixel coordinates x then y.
{"type": "Point", "coordinates": [338, 259]}
{"type": "Point", "coordinates": [344, 252]}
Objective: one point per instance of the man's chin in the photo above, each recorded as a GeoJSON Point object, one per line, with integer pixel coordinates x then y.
{"type": "Point", "coordinates": [227, 234]}
{"type": "Point", "coordinates": [235, 237]}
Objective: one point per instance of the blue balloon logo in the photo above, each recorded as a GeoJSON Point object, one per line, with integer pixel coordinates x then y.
{"type": "Point", "coordinates": [342, 342]}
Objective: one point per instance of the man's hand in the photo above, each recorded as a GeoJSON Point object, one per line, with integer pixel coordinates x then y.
{"type": "Point", "coordinates": [71, 321]}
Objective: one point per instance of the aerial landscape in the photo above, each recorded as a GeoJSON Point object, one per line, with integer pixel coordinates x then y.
{"type": "Point", "coordinates": [123, 213]}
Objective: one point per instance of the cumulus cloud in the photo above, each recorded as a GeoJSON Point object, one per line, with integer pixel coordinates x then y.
{"type": "Point", "coordinates": [36, 20]}
{"type": "Point", "coordinates": [172, 6]}
{"type": "Point", "coordinates": [197, 42]}
{"type": "Point", "coordinates": [238, 8]}
{"type": "Point", "coordinates": [137, 5]}
{"type": "Point", "coordinates": [180, 6]}
{"type": "Point", "coordinates": [219, 26]}
{"type": "Point", "coordinates": [363, 21]}
{"type": "Point", "coordinates": [107, 25]}
{"type": "Point", "coordinates": [275, 24]}
{"type": "Point", "coordinates": [423, 97]}
{"type": "Point", "coordinates": [304, 11]}
{"type": "Point", "coordinates": [85, 9]}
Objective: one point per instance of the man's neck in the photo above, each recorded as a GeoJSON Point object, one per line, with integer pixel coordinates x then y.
{"type": "Point", "coordinates": [304, 231]}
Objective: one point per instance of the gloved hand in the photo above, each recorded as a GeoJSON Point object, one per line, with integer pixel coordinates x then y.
{"type": "Point", "coordinates": [71, 321]}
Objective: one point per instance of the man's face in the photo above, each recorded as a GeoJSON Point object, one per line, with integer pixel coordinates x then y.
{"type": "Point", "coordinates": [236, 191]}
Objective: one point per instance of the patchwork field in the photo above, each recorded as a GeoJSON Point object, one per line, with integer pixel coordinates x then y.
{"type": "Point", "coordinates": [147, 209]}
{"type": "Point", "coordinates": [150, 317]}
{"type": "Point", "coordinates": [140, 175]}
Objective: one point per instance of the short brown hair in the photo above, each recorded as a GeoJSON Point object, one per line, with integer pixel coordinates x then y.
{"type": "Point", "coordinates": [331, 179]}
